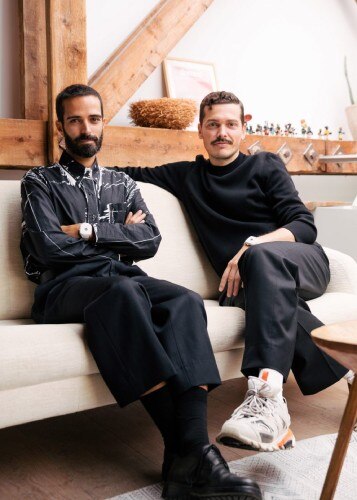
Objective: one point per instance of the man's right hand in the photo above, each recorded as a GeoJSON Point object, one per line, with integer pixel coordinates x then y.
{"type": "Point", "coordinates": [137, 218]}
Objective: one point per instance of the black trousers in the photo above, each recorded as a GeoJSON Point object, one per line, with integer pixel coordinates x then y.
{"type": "Point", "coordinates": [277, 279]}
{"type": "Point", "coordinates": [140, 330]}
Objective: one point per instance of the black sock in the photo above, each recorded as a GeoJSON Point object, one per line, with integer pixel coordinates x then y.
{"type": "Point", "coordinates": [191, 418]}
{"type": "Point", "coordinates": [160, 406]}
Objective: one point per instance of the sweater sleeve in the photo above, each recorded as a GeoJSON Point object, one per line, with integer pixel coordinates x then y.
{"type": "Point", "coordinates": [285, 202]}
{"type": "Point", "coordinates": [169, 177]}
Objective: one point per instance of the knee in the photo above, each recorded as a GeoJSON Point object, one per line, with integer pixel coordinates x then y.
{"type": "Point", "coordinates": [261, 251]}
{"type": "Point", "coordinates": [259, 258]}
{"type": "Point", "coordinates": [191, 298]}
{"type": "Point", "coordinates": [121, 286]}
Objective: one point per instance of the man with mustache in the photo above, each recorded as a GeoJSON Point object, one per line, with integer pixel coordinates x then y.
{"type": "Point", "coordinates": [83, 226]}
{"type": "Point", "coordinates": [260, 239]}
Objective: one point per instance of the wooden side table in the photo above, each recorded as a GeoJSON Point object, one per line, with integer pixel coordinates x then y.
{"type": "Point", "coordinates": [340, 341]}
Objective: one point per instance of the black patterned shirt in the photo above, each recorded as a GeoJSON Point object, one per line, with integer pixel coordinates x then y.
{"type": "Point", "coordinates": [67, 193]}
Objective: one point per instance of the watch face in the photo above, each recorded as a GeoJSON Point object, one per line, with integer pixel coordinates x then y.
{"type": "Point", "coordinates": [85, 230]}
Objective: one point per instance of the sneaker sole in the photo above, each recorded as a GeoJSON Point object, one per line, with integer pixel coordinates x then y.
{"type": "Point", "coordinates": [282, 443]}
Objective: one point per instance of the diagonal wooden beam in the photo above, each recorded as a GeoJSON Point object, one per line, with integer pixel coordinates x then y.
{"type": "Point", "coordinates": [131, 64]}
{"type": "Point", "coordinates": [67, 55]}
{"type": "Point", "coordinates": [33, 59]}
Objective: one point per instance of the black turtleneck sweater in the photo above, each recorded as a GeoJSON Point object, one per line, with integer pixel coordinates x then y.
{"type": "Point", "coordinates": [252, 196]}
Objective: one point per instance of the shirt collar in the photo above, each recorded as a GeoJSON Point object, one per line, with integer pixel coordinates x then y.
{"type": "Point", "coordinates": [77, 170]}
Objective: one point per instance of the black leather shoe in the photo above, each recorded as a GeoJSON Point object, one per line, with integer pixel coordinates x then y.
{"type": "Point", "coordinates": [206, 475]}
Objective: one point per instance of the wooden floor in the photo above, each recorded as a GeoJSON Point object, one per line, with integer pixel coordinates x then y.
{"type": "Point", "coordinates": [104, 452]}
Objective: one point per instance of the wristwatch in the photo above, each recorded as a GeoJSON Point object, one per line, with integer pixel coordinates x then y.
{"type": "Point", "coordinates": [85, 230]}
{"type": "Point", "coordinates": [251, 241]}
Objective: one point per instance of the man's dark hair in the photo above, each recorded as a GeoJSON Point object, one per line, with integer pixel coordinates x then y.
{"type": "Point", "coordinates": [76, 90]}
{"type": "Point", "coordinates": [220, 97]}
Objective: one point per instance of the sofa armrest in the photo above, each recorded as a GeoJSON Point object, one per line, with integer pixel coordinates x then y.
{"type": "Point", "coordinates": [343, 272]}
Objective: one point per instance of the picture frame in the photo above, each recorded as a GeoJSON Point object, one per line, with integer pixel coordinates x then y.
{"type": "Point", "coordinates": [189, 79]}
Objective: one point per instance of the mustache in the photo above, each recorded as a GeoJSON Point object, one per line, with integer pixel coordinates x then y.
{"type": "Point", "coordinates": [220, 139]}
{"type": "Point", "coordinates": [86, 137]}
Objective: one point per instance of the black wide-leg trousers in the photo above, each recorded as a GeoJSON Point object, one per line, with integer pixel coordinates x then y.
{"type": "Point", "coordinates": [278, 278]}
{"type": "Point", "coordinates": [140, 330]}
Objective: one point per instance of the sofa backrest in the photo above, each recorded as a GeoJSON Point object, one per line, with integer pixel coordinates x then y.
{"type": "Point", "coordinates": [16, 291]}
{"type": "Point", "coordinates": [180, 258]}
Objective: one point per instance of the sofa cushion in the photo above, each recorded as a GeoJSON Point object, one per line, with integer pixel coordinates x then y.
{"type": "Point", "coordinates": [334, 307]}
{"type": "Point", "coordinates": [32, 354]}
{"type": "Point", "coordinates": [225, 326]}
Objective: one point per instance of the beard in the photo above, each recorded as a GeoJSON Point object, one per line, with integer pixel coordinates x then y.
{"type": "Point", "coordinates": [83, 150]}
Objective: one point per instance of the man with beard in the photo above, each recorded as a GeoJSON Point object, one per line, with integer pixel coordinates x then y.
{"type": "Point", "coordinates": [255, 231]}
{"type": "Point", "coordinates": [83, 226]}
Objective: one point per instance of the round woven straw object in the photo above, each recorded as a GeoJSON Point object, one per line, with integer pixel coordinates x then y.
{"type": "Point", "coordinates": [163, 113]}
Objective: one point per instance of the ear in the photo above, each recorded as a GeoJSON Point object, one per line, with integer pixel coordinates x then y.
{"type": "Point", "coordinates": [244, 128]}
{"type": "Point", "coordinates": [200, 131]}
{"type": "Point", "coordinates": [59, 127]}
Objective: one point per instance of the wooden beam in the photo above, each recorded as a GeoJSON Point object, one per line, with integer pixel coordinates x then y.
{"type": "Point", "coordinates": [23, 143]}
{"type": "Point", "coordinates": [312, 205]}
{"type": "Point", "coordinates": [297, 145]}
{"type": "Point", "coordinates": [137, 146]}
{"type": "Point", "coordinates": [67, 55]}
{"type": "Point", "coordinates": [131, 64]}
{"type": "Point", "coordinates": [33, 59]}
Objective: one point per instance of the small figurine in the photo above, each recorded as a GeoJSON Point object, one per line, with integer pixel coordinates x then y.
{"type": "Point", "coordinates": [340, 134]}
{"type": "Point", "coordinates": [320, 133]}
{"type": "Point", "coordinates": [259, 129]}
{"type": "Point", "coordinates": [272, 129]}
{"type": "Point", "coordinates": [287, 129]}
{"type": "Point", "coordinates": [250, 130]}
{"type": "Point", "coordinates": [278, 129]}
{"type": "Point", "coordinates": [309, 132]}
{"type": "Point", "coordinates": [326, 133]}
{"type": "Point", "coordinates": [303, 128]}
{"type": "Point", "coordinates": [266, 128]}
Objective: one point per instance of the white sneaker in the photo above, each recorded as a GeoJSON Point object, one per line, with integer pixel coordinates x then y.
{"type": "Point", "coordinates": [261, 422]}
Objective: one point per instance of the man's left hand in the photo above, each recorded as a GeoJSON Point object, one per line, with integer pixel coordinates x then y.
{"type": "Point", "coordinates": [231, 277]}
{"type": "Point", "coordinates": [72, 230]}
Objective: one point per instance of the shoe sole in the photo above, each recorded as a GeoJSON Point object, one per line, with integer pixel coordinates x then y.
{"type": "Point", "coordinates": [282, 443]}
{"type": "Point", "coordinates": [176, 491]}
{"type": "Point", "coordinates": [231, 496]}
{"type": "Point", "coordinates": [253, 494]}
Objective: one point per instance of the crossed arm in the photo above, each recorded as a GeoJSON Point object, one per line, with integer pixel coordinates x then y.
{"type": "Point", "coordinates": [72, 230]}
{"type": "Point", "coordinates": [55, 245]}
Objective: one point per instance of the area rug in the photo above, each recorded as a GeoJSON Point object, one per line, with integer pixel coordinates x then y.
{"type": "Point", "coordinates": [296, 474]}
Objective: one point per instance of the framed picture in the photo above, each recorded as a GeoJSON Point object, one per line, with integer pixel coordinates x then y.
{"type": "Point", "coordinates": [189, 80]}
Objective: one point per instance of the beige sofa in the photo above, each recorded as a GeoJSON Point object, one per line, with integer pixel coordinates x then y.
{"type": "Point", "coordinates": [47, 370]}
